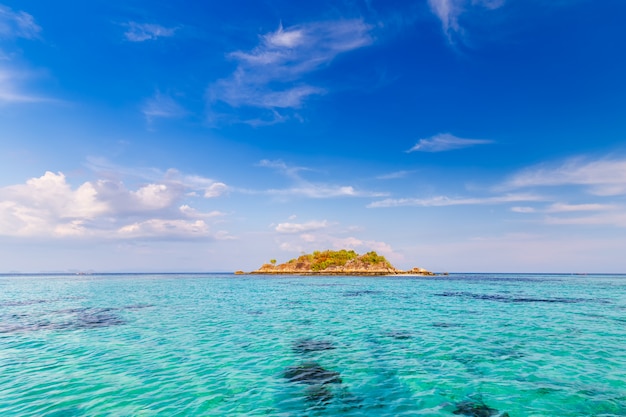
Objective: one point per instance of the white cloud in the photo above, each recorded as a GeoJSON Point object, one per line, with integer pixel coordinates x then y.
{"type": "Point", "coordinates": [604, 177]}
{"type": "Point", "coordinates": [52, 192]}
{"type": "Point", "coordinates": [160, 228]}
{"type": "Point", "coordinates": [17, 24]}
{"type": "Point", "coordinates": [140, 32]}
{"type": "Point", "coordinates": [301, 227]}
{"type": "Point", "coordinates": [450, 11]}
{"type": "Point", "coordinates": [215, 190]}
{"type": "Point", "coordinates": [568, 208]}
{"type": "Point", "coordinates": [445, 142]}
{"type": "Point", "coordinates": [523, 209]}
{"type": "Point", "coordinates": [269, 76]}
{"type": "Point", "coordinates": [442, 201]}
{"type": "Point", "coordinates": [48, 206]}
{"type": "Point", "coordinates": [193, 213]}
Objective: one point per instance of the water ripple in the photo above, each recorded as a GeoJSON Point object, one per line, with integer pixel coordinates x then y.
{"type": "Point", "coordinates": [314, 346]}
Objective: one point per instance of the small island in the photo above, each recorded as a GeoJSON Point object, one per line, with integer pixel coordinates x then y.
{"type": "Point", "coordinates": [341, 262]}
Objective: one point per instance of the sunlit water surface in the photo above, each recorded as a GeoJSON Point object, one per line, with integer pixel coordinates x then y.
{"type": "Point", "coordinates": [224, 345]}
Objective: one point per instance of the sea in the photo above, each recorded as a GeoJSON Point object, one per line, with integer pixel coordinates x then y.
{"type": "Point", "coordinates": [480, 345]}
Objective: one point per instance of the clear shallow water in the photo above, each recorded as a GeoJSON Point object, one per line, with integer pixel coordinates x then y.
{"type": "Point", "coordinates": [223, 345]}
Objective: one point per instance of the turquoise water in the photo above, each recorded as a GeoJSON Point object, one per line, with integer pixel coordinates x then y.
{"type": "Point", "coordinates": [224, 345]}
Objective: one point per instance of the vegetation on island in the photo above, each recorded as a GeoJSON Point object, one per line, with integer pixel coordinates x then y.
{"type": "Point", "coordinates": [321, 260]}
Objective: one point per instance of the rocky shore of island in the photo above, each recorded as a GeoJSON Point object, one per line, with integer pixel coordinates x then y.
{"type": "Point", "coordinates": [341, 262]}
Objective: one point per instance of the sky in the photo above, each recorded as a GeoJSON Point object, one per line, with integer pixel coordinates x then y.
{"type": "Point", "coordinates": [451, 135]}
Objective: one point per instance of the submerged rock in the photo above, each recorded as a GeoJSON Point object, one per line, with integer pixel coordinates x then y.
{"type": "Point", "coordinates": [476, 409]}
{"type": "Point", "coordinates": [312, 373]}
{"type": "Point", "coordinates": [446, 325]}
{"type": "Point", "coordinates": [319, 395]}
{"type": "Point", "coordinates": [359, 293]}
{"type": "Point", "coordinates": [77, 318]}
{"type": "Point", "coordinates": [96, 319]}
{"type": "Point", "coordinates": [398, 335]}
{"type": "Point", "coordinates": [311, 345]}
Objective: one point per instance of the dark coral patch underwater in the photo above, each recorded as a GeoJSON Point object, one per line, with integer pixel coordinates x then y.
{"type": "Point", "coordinates": [311, 373]}
{"type": "Point", "coordinates": [510, 299]}
{"type": "Point", "coordinates": [476, 409]}
{"type": "Point", "coordinates": [70, 319]}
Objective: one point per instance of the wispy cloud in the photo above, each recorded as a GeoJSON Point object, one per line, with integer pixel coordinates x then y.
{"type": "Point", "coordinates": [161, 106]}
{"type": "Point", "coordinates": [140, 32]}
{"type": "Point", "coordinates": [290, 171]}
{"type": "Point", "coordinates": [570, 214]}
{"type": "Point", "coordinates": [335, 239]}
{"type": "Point", "coordinates": [303, 188]}
{"type": "Point", "coordinates": [569, 208]}
{"type": "Point", "coordinates": [442, 201]}
{"type": "Point", "coordinates": [450, 11]}
{"type": "Point", "coordinates": [316, 234]}
{"type": "Point", "coordinates": [192, 184]}
{"type": "Point", "coordinates": [566, 208]}
{"type": "Point", "coordinates": [523, 209]}
{"type": "Point", "coordinates": [603, 177]}
{"type": "Point", "coordinates": [49, 206]}
{"type": "Point", "coordinates": [394, 175]}
{"type": "Point", "coordinates": [311, 190]}
{"type": "Point", "coordinates": [12, 90]}
{"type": "Point", "coordinates": [17, 24]}
{"type": "Point", "coordinates": [270, 76]}
{"type": "Point", "coordinates": [445, 142]}
{"type": "Point", "coordinates": [617, 219]}
{"type": "Point", "coordinates": [289, 227]}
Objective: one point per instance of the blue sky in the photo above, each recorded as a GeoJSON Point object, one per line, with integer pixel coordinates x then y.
{"type": "Point", "coordinates": [454, 135]}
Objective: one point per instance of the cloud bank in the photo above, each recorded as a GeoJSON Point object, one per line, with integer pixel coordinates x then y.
{"type": "Point", "coordinates": [49, 207]}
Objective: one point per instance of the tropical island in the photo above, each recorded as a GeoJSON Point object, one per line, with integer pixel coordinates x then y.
{"type": "Point", "coordinates": [340, 262]}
